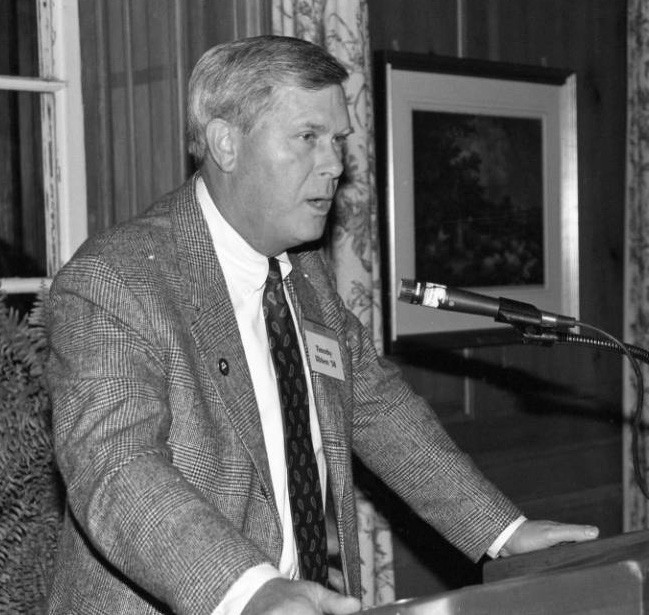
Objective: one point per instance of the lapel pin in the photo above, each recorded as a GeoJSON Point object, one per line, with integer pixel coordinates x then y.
{"type": "Point", "coordinates": [224, 367]}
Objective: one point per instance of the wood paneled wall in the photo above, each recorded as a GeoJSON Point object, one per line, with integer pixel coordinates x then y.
{"type": "Point", "coordinates": [543, 423]}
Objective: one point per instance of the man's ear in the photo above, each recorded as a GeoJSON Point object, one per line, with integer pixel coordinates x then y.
{"type": "Point", "coordinates": [220, 139]}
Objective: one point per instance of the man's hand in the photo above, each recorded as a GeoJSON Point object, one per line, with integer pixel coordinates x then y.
{"type": "Point", "coordinates": [535, 535]}
{"type": "Point", "coordinates": [283, 597]}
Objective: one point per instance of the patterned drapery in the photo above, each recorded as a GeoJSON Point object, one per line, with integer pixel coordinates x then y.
{"type": "Point", "coordinates": [636, 507]}
{"type": "Point", "coordinates": [341, 27]}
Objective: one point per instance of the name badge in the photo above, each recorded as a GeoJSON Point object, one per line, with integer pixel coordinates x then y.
{"type": "Point", "coordinates": [324, 351]}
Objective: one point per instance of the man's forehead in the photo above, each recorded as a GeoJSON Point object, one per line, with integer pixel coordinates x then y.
{"type": "Point", "coordinates": [316, 106]}
{"type": "Point", "coordinates": [285, 92]}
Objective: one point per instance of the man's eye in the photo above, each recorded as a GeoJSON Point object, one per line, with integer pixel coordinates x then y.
{"type": "Point", "coordinates": [308, 136]}
{"type": "Point", "coordinates": [340, 140]}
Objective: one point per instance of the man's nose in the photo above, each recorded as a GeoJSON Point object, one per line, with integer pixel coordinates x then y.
{"type": "Point", "coordinates": [331, 160]}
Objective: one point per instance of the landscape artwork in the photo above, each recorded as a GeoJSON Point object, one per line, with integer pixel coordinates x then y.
{"type": "Point", "coordinates": [478, 199]}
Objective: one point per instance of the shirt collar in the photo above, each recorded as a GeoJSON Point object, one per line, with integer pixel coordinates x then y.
{"type": "Point", "coordinates": [241, 263]}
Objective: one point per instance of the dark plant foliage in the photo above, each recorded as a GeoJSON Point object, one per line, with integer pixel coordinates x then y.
{"type": "Point", "coordinates": [30, 493]}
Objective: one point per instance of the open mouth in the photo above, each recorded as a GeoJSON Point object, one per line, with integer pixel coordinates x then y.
{"type": "Point", "coordinates": [322, 205]}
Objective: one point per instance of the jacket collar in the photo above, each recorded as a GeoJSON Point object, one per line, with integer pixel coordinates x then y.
{"type": "Point", "coordinates": [214, 327]}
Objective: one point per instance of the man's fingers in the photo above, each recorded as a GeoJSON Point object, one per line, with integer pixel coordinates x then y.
{"type": "Point", "coordinates": [280, 596]}
{"type": "Point", "coordinates": [535, 535]}
{"type": "Point", "coordinates": [572, 533]}
{"type": "Point", "coordinates": [336, 580]}
{"type": "Point", "coordinates": [333, 603]}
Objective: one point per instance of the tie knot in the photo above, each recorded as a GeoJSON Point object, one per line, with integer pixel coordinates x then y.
{"type": "Point", "coordinates": [274, 272]}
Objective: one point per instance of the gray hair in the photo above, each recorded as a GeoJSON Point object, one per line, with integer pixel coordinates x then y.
{"type": "Point", "coordinates": [236, 81]}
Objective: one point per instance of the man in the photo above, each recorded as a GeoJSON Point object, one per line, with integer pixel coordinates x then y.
{"type": "Point", "coordinates": [169, 385]}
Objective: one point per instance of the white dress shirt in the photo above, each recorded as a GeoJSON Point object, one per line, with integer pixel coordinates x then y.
{"type": "Point", "coordinates": [245, 271]}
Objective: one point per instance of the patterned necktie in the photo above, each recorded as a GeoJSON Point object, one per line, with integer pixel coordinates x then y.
{"type": "Point", "coordinates": [305, 493]}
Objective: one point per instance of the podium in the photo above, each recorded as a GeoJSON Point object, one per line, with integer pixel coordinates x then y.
{"type": "Point", "coordinates": [608, 576]}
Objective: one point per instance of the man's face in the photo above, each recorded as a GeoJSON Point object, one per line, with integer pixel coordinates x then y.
{"type": "Point", "coordinates": [288, 167]}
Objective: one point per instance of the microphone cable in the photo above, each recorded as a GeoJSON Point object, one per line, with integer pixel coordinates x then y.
{"type": "Point", "coordinates": [633, 353]}
{"type": "Point", "coordinates": [538, 327]}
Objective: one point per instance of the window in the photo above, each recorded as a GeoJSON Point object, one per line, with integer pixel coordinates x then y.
{"type": "Point", "coordinates": [43, 215]}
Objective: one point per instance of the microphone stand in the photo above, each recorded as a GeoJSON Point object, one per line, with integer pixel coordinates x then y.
{"type": "Point", "coordinates": [537, 327]}
{"type": "Point", "coordinates": [535, 334]}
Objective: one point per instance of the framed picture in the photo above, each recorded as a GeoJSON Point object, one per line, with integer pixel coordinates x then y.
{"type": "Point", "coordinates": [477, 169]}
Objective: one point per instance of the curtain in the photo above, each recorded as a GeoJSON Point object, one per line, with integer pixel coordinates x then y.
{"type": "Point", "coordinates": [342, 28]}
{"type": "Point", "coordinates": [636, 507]}
{"type": "Point", "coordinates": [136, 59]}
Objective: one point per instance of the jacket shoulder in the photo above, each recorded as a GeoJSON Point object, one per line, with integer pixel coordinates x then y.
{"type": "Point", "coordinates": [142, 233]}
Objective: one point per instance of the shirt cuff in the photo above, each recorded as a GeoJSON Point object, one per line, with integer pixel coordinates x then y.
{"type": "Point", "coordinates": [494, 550]}
{"type": "Point", "coordinates": [242, 590]}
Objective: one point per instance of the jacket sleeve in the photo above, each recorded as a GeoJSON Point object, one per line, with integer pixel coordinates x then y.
{"type": "Point", "coordinates": [400, 438]}
{"type": "Point", "coordinates": [111, 422]}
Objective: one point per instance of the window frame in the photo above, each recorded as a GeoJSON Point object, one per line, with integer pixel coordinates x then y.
{"type": "Point", "coordinates": [62, 136]}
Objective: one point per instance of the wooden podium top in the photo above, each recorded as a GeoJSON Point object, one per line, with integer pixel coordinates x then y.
{"type": "Point", "coordinates": [601, 577]}
{"type": "Point", "coordinates": [633, 546]}
{"type": "Point", "coordinates": [611, 589]}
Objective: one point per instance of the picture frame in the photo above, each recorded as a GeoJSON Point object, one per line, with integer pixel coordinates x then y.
{"type": "Point", "coordinates": [478, 189]}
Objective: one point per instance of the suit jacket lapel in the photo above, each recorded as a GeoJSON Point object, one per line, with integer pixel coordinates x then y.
{"type": "Point", "coordinates": [214, 328]}
{"type": "Point", "coordinates": [326, 390]}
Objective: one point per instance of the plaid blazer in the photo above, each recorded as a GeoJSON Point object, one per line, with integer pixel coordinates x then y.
{"type": "Point", "coordinates": [159, 441]}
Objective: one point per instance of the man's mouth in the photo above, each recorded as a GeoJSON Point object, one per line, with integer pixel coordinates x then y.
{"type": "Point", "coordinates": [321, 204]}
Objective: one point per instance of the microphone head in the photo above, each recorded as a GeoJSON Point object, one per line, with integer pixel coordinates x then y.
{"type": "Point", "coordinates": [409, 291]}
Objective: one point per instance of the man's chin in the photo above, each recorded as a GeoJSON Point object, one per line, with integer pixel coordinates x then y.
{"type": "Point", "coordinates": [309, 241]}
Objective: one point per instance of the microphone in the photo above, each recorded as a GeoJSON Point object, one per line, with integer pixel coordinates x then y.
{"type": "Point", "coordinates": [501, 309]}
